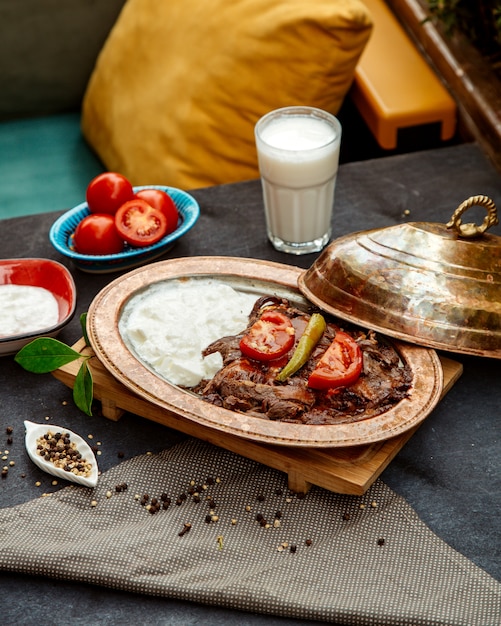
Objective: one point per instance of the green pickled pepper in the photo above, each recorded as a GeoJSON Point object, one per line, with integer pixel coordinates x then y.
{"type": "Point", "coordinates": [309, 339]}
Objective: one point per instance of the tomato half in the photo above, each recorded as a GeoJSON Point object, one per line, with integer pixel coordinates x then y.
{"type": "Point", "coordinates": [107, 192]}
{"type": "Point", "coordinates": [159, 199]}
{"type": "Point", "coordinates": [139, 223]}
{"type": "Point", "coordinates": [269, 338]}
{"type": "Point", "coordinates": [339, 366]}
{"type": "Point", "coordinates": [97, 234]}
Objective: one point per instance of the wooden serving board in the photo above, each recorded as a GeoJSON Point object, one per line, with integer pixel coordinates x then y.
{"type": "Point", "coordinates": [350, 470]}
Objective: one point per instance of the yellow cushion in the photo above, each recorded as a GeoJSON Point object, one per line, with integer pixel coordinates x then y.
{"type": "Point", "coordinates": [179, 84]}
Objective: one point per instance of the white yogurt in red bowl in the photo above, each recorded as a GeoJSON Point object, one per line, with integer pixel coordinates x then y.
{"type": "Point", "coordinates": [37, 299]}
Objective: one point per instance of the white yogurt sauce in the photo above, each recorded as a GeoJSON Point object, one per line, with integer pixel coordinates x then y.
{"type": "Point", "coordinates": [169, 324]}
{"type": "Point", "coordinates": [25, 309]}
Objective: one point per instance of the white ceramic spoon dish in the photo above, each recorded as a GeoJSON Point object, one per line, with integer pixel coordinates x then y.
{"type": "Point", "coordinates": [35, 431]}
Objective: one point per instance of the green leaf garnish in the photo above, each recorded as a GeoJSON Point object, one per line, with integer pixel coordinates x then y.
{"type": "Point", "coordinates": [83, 389]}
{"type": "Point", "coordinates": [83, 324]}
{"type": "Point", "coordinates": [45, 354]}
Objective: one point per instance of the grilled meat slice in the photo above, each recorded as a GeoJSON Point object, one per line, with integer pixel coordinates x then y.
{"type": "Point", "coordinates": [249, 386]}
{"type": "Point", "coordinates": [244, 385]}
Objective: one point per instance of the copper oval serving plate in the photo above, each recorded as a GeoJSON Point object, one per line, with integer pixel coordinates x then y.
{"type": "Point", "coordinates": [259, 277]}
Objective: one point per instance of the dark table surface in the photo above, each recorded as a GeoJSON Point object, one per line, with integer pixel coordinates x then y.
{"type": "Point", "coordinates": [450, 471]}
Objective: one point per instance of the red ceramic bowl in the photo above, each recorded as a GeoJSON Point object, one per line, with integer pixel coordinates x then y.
{"type": "Point", "coordinates": [45, 273]}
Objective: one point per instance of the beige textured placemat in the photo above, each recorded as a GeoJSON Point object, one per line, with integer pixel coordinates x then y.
{"type": "Point", "coordinates": [349, 559]}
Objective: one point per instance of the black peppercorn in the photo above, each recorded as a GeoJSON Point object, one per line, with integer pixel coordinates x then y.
{"type": "Point", "coordinates": [186, 529]}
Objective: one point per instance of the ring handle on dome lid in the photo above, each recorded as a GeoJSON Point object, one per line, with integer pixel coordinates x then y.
{"type": "Point", "coordinates": [472, 230]}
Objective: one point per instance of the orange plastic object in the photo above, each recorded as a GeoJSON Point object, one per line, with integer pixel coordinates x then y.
{"type": "Point", "coordinates": [394, 87]}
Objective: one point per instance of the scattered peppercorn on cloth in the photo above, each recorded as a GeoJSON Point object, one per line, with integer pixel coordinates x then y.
{"type": "Point", "coordinates": [199, 523]}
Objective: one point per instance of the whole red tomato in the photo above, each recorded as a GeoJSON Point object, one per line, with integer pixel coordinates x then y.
{"type": "Point", "coordinates": [107, 192]}
{"type": "Point", "coordinates": [159, 199]}
{"type": "Point", "coordinates": [96, 234]}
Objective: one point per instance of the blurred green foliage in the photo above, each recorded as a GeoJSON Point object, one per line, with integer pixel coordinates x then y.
{"type": "Point", "coordinates": [478, 20]}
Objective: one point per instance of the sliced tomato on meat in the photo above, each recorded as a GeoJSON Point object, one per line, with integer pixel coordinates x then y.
{"type": "Point", "coordinates": [139, 223]}
{"type": "Point", "coordinates": [339, 366]}
{"type": "Point", "coordinates": [269, 338]}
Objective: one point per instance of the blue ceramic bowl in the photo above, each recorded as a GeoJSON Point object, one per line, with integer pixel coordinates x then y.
{"type": "Point", "coordinates": [61, 232]}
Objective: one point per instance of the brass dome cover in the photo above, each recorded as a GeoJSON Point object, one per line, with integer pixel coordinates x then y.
{"type": "Point", "coordinates": [432, 284]}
